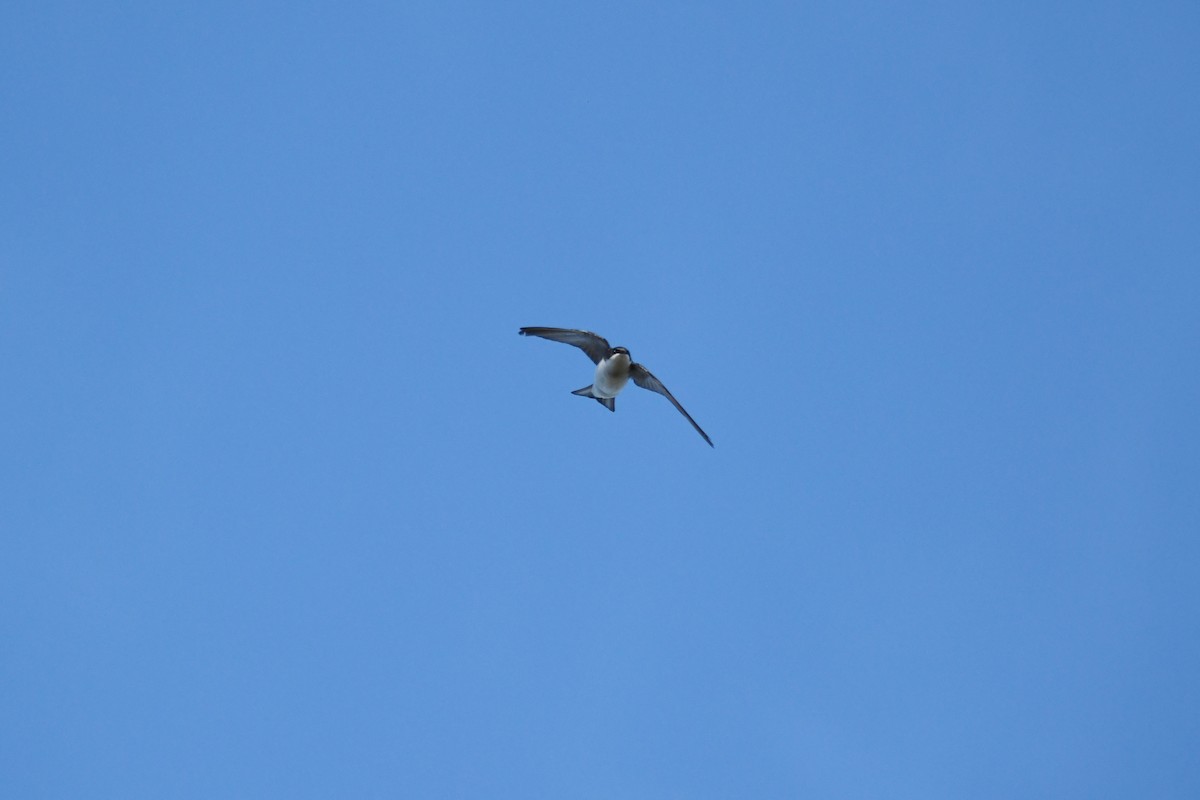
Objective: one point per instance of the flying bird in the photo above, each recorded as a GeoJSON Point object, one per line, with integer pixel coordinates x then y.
{"type": "Point", "coordinates": [614, 368]}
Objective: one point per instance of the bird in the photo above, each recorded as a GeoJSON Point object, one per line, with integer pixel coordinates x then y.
{"type": "Point", "coordinates": [614, 368]}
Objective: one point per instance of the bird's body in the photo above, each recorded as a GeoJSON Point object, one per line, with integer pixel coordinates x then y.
{"type": "Point", "coordinates": [614, 368]}
{"type": "Point", "coordinates": [612, 374]}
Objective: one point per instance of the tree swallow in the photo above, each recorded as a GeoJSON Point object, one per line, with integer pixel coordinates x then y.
{"type": "Point", "coordinates": [613, 369]}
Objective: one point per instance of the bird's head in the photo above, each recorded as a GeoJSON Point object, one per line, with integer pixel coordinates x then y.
{"type": "Point", "coordinates": [618, 351]}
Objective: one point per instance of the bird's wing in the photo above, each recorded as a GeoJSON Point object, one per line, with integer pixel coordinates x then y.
{"type": "Point", "coordinates": [595, 346]}
{"type": "Point", "coordinates": [643, 378]}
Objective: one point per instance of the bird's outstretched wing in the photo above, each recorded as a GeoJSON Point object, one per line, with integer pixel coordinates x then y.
{"type": "Point", "coordinates": [595, 346]}
{"type": "Point", "coordinates": [643, 378]}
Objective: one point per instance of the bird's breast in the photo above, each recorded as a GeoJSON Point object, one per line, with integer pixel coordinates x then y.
{"type": "Point", "coordinates": [612, 374]}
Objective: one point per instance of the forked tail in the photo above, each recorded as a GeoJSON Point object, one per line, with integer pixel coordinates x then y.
{"type": "Point", "coordinates": [608, 402]}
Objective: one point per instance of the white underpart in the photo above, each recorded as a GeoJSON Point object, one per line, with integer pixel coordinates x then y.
{"type": "Point", "coordinates": [612, 374]}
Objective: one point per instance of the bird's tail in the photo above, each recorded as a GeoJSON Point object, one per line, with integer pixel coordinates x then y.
{"type": "Point", "coordinates": [608, 402]}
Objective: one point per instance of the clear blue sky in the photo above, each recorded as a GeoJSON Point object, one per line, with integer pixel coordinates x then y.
{"type": "Point", "coordinates": [289, 509]}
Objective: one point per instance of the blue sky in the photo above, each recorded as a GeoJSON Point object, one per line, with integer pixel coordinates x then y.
{"type": "Point", "coordinates": [290, 510]}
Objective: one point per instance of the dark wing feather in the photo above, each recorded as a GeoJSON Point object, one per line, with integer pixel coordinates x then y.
{"type": "Point", "coordinates": [643, 378]}
{"type": "Point", "coordinates": [595, 346]}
